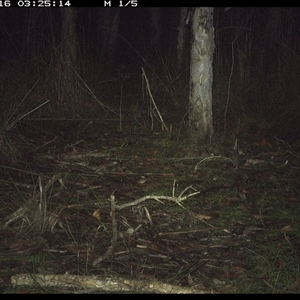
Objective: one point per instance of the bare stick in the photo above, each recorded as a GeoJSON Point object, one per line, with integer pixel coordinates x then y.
{"type": "Point", "coordinates": [14, 122]}
{"type": "Point", "coordinates": [153, 102]}
{"type": "Point", "coordinates": [114, 238]}
{"type": "Point", "coordinates": [92, 94]}
{"type": "Point", "coordinates": [17, 106]}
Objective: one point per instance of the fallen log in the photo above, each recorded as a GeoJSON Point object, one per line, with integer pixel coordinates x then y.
{"type": "Point", "coordinates": [101, 284]}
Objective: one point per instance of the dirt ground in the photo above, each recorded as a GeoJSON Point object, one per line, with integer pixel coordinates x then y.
{"type": "Point", "coordinates": [85, 199]}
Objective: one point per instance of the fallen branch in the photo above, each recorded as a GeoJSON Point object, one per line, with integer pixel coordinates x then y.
{"type": "Point", "coordinates": [175, 199]}
{"type": "Point", "coordinates": [104, 284]}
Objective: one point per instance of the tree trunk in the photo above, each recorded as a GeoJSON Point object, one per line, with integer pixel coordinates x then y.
{"type": "Point", "coordinates": [201, 77]}
{"type": "Point", "coordinates": [155, 23]}
{"type": "Point", "coordinates": [109, 24]}
{"type": "Point", "coordinates": [67, 88]}
{"type": "Point", "coordinates": [182, 29]}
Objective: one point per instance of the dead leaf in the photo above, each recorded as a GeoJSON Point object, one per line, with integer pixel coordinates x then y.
{"type": "Point", "coordinates": [229, 289]}
{"type": "Point", "coordinates": [243, 190]}
{"type": "Point", "coordinates": [146, 276]}
{"type": "Point", "coordinates": [291, 199]}
{"type": "Point", "coordinates": [279, 264]}
{"type": "Point", "coordinates": [202, 217]}
{"type": "Point", "coordinates": [238, 269]}
{"type": "Point", "coordinates": [96, 214]}
{"type": "Point", "coordinates": [287, 228]}
{"type": "Point", "coordinates": [258, 217]}
{"type": "Point", "coordinates": [225, 203]}
{"type": "Point", "coordinates": [142, 180]}
{"type": "Point", "coordinates": [264, 142]}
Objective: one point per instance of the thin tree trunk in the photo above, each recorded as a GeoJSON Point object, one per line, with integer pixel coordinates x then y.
{"type": "Point", "coordinates": [201, 77]}
{"type": "Point", "coordinates": [109, 28]}
{"type": "Point", "coordinates": [67, 87]}
{"type": "Point", "coordinates": [155, 23]}
{"type": "Point", "coordinates": [182, 29]}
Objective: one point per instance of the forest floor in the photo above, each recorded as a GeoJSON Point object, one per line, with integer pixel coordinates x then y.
{"type": "Point", "coordinates": [84, 199]}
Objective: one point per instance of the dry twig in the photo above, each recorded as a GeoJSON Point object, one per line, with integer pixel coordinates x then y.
{"type": "Point", "coordinates": [114, 238]}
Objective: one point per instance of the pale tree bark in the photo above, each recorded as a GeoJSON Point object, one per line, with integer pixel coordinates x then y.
{"type": "Point", "coordinates": [201, 77]}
